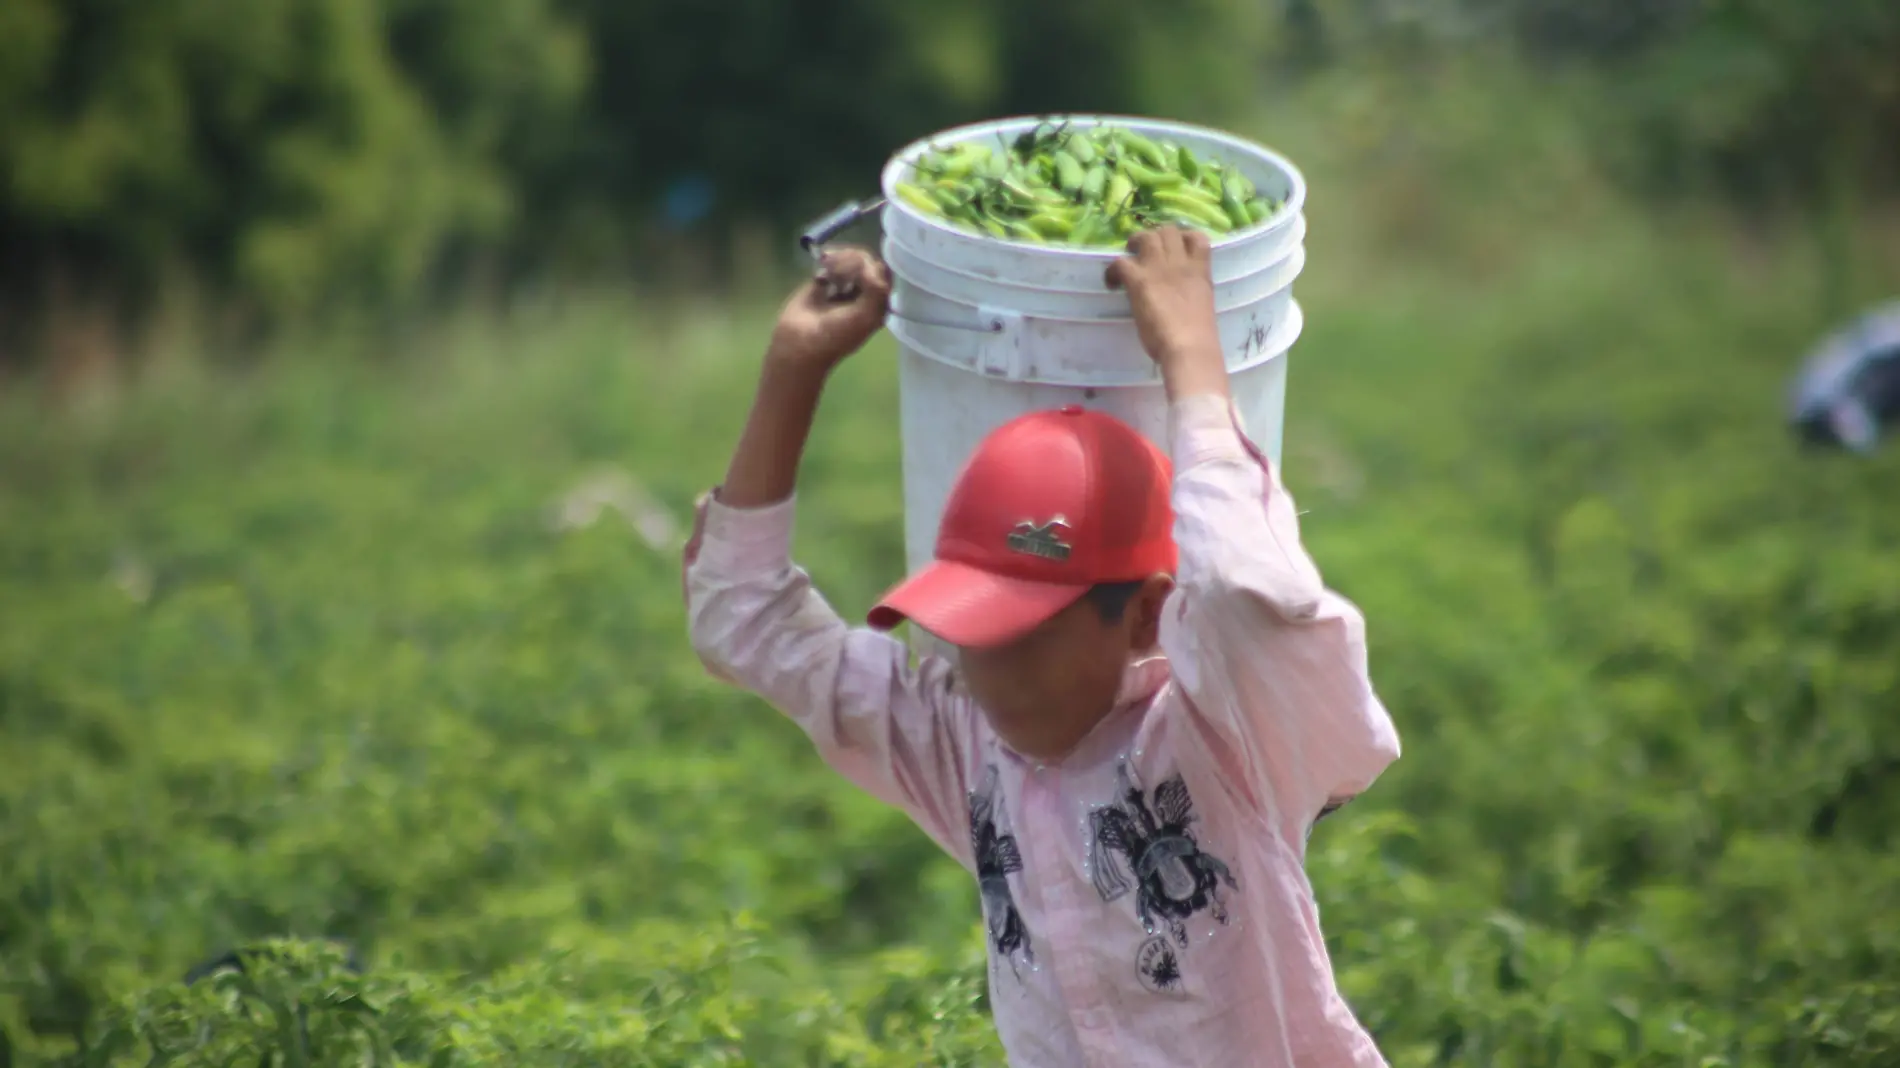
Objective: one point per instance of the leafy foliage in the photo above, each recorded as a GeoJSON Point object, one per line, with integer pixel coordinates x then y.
{"type": "Point", "coordinates": [709, 997]}
{"type": "Point", "coordinates": [293, 157]}
{"type": "Point", "coordinates": [1760, 98]}
{"type": "Point", "coordinates": [292, 149]}
{"type": "Point", "coordinates": [304, 154]}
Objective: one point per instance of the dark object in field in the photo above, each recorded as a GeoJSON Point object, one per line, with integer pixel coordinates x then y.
{"type": "Point", "coordinates": [1848, 392]}
{"type": "Point", "coordinates": [233, 960]}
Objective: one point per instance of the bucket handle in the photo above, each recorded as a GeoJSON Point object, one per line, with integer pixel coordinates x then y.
{"type": "Point", "coordinates": [833, 223]}
{"type": "Point", "coordinates": [814, 238]}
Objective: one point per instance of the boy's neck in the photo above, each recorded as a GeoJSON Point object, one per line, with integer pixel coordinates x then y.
{"type": "Point", "coordinates": [1060, 741]}
{"type": "Point", "coordinates": [1140, 681]}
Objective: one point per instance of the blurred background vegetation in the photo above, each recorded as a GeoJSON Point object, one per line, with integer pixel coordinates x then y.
{"type": "Point", "coordinates": [359, 360]}
{"type": "Point", "coordinates": [275, 158]}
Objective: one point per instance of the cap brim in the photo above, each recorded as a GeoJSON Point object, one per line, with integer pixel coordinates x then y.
{"type": "Point", "coordinates": [967, 606]}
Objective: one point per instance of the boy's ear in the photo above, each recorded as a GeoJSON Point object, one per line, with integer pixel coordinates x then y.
{"type": "Point", "coordinates": [1144, 611]}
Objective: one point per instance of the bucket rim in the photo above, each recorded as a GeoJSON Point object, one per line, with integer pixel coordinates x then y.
{"type": "Point", "coordinates": [1296, 245]}
{"type": "Point", "coordinates": [1294, 205]}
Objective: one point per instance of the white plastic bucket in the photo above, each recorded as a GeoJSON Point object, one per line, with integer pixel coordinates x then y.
{"type": "Point", "coordinates": [1039, 328]}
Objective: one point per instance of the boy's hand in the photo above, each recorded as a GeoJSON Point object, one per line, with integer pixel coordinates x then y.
{"type": "Point", "coordinates": [834, 314]}
{"type": "Point", "coordinates": [1169, 277]}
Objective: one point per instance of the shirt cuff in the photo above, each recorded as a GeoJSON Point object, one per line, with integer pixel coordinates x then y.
{"type": "Point", "coordinates": [745, 541]}
{"type": "Point", "coordinates": [1206, 428]}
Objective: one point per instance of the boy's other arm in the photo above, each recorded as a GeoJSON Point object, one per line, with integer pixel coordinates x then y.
{"type": "Point", "coordinates": [756, 621]}
{"type": "Point", "coordinates": [1273, 662]}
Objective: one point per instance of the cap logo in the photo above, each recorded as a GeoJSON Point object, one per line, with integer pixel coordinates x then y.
{"type": "Point", "coordinates": [1044, 540]}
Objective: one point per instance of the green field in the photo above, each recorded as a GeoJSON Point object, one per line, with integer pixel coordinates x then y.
{"type": "Point", "coordinates": [304, 651]}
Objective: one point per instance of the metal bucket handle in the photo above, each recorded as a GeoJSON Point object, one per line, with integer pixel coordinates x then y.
{"type": "Point", "coordinates": [814, 238]}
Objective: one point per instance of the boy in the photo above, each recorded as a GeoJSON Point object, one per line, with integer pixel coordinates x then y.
{"type": "Point", "coordinates": [1153, 696]}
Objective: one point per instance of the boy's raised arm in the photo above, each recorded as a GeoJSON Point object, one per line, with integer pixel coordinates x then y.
{"type": "Point", "coordinates": [754, 617]}
{"type": "Point", "coordinates": [1273, 663]}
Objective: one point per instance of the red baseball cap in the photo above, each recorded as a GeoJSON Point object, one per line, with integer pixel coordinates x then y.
{"type": "Point", "coordinates": [1051, 504]}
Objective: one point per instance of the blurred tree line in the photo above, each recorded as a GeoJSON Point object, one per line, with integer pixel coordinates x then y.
{"type": "Point", "coordinates": [1748, 98]}
{"type": "Point", "coordinates": [289, 155]}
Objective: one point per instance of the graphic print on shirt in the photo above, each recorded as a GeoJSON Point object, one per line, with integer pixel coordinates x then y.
{"type": "Point", "coordinates": [997, 858]}
{"type": "Point", "coordinates": [1144, 843]}
{"type": "Point", "coordinates": [1159, 968]}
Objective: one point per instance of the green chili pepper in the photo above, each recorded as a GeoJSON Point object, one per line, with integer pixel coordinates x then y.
{"type": "Point", "coordinates": [950, 197]}
{"type": "Point", "coordinates": [1120, 189]}
{"type": "Point", "coordinates": [1258, 209]}
{"type": "Point", "coordinates": [1088, 229]}
{"type": "Point", "coordinates": [1030, 194]}
{"type": "Point", "coordinates": [1194, 222]}
{"type": "Point", "coordinates": [1236, 213]}
{"type": "Point", "coordinates": [918, 199]}
{"type": "Point", "coordinates": [1149, 178]}
{"type": "Point", "coordinates": [967, 211]}
{"type": "Point", "coordinates": [1194, 208]}
{"type": "Point", "coordinates": [1149, 151]}
{"type": "Point", "coordinates": [1235, 205]}
{"type": "Point", "coordinates": [1095, 183]}
{"type": "Point", "coordinates": [1182, 196]}
{"type": "Point", "coordinates": [1185, 162]}
{"type": "Point", "coordinates": [1199, 192]}
{"type": "Point", "coordinates": [1049, 224]}
{"type": "Point", "coordinates": [964, 159]}
{"type": "Point", "coordinates": [1069, 173]}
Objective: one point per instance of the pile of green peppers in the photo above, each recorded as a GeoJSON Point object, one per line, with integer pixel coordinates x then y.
{"type": "Point", "coordinates": [1056, 185]}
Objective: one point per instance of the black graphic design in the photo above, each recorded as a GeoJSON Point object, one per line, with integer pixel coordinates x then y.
{"type": "Point", "coordinates": [1144, 843]}
{"type": "Point", "coordinates": [996, 859]}
{"type": "Point", "coordinates": [1159, 968]}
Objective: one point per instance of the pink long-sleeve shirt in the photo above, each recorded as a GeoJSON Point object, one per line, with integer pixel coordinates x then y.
{"type": "Point", "coordinates": [1146, 895]}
